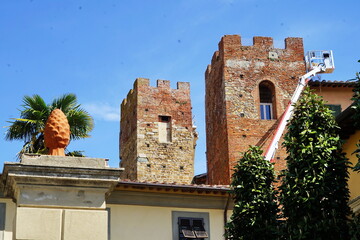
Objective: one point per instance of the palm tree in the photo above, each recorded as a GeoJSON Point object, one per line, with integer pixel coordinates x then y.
{"type": "Point", "coordinates": [30, 126]}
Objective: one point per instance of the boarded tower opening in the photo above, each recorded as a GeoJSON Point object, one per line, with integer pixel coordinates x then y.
{"type": "Point", "coordinates": [164, 129]}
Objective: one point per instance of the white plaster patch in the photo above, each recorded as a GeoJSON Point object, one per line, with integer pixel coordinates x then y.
{"type": "Point", "coordinates": [23, 195]}
{"type": "Point", "coordinates": [259, 65]}
{"type": "Point", "coordinates": [293, 65]}
{"type": "Point", "coordinates": [142, 155]}
{"type": "Point", "coordinates": [42, 197]}
{"type": "Point", "coordinates": [237, 63]}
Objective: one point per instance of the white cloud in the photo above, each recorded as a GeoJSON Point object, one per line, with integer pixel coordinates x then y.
{"type": "Point", "coordinates": [102, 111]}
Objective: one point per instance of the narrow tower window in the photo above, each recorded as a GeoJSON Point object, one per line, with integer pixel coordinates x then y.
{"type": "Point", "coordinates": [266, 93]}
{"type": "Point", "coordinates": [164, 129]}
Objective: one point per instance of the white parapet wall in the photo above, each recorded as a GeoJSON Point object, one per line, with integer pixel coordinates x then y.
{"type": "Point", "coordinates": [58, 197]}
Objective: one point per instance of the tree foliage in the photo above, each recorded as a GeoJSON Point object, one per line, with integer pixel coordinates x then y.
{"type": "Point", "coordinates": [314, 192]}
{"type": "Point", "coordinates": [356, 99]}
{"type": "Point", "coordinates": [355, 228]}
{"type": "Point", "coordinates": [255, 209]}
{"type": "Point", "coordinates": [356, 116]}
{"type": "Point", "coordinates": [29, 127]}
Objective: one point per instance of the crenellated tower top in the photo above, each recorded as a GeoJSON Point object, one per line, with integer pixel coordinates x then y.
{"type": "Point", "coordinates": [143, 84]}
{"type": "Point", "coordinates": [157, 137]}
{"type": "Point", "coordinates": [262, 49]}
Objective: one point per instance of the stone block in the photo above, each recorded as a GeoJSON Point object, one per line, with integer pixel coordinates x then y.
{"type": "Point", "coordinates": [38, 223]}
{"type": "Point", "coordinates": [60, 161]}
{"type": "Point", "coordinates": [82, 224]}
{"type": "Point", "coordinates": [60, 196]}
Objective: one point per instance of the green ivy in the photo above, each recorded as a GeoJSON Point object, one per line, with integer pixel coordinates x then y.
{"type": "Point", "coordinates": [314, 191]}
{"type": "Point", "coordinates": [255, 207]}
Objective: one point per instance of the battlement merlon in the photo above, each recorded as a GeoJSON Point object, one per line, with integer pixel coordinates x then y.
{"type": "Point", "coordinates": [296, 44]}
{"type": "Point", "coordinates": [208, 71]}
{"type": "Point", "coordinates": [163, 83]}
{"type": "Point", "coordinates": [166, 84]}
{"type": "Point", "coordinates": [123, 103]}
{"type": "Point", "coordinates": [183, 86]}
{"type": "Point", "coordinates": [125, 100]}
{"type": "Point", "coordinates": [231, 45]}
{"type": "Point", "coordinates": [266, 42]}
{"type": "Point", "coordinates": [141, 83]}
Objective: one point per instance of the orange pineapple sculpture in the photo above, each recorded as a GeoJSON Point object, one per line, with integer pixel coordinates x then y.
{"type": "Point", "coordinates": [57, 133]}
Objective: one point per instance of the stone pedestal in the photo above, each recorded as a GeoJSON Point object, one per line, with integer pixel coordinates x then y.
{"type": "Point", "coordinates": [60, 198]}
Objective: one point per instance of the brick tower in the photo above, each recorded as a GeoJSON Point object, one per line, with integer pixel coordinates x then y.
{"type": "Point", "coordinates": [247, 90]}
{"type": "Point", "coordinates": [157, 137]}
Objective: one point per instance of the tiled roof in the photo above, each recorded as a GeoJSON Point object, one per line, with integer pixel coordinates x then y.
{"type": "Point", "coordinates": [174, 186]}
{"type": "Point", "coordinates": [327, 83]}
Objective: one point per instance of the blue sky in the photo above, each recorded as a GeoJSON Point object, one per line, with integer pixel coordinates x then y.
{"type": "Point", "coordinates": [96, 49]}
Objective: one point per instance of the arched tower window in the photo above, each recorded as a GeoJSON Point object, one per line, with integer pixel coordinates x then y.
{"type": "Point", "coordinates": [267, 103]}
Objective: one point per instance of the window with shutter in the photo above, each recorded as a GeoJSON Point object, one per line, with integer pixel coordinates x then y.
{"type": "Point", "coordinates": [198, 227]}
{"type": "Point", "coordinates": [191, 228]}
{"type": "Point", "coordinates": [190, 225]}
{"type": "Point", "coordinates": [266, 94]}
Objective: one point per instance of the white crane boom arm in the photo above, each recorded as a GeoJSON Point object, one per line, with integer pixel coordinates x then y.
{"type": "Point", "coordinates": [270, 152]}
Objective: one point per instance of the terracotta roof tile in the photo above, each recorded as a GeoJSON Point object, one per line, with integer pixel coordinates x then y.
{"type": "Point", "coordinates": [328, 83]}
{"type": "Point", "coordinates": [174, 185]}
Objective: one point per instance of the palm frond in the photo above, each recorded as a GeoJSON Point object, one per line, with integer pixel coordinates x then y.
{"type": "Point", "coordinates": [35, 114]}
{"type": "Point", "coordinates": [76, 153]}
{"type": "Point", "coordinates": [22, 130]}
{"type": "Point", "coordinates": [35, 102]}
{"type": "Point", "coordinates": [25, 120]}
{"type": "Point", "coordinates": [35, 108]}
{"type": "Point", "coordinates": [65, 103]}
{"type": "Point", "coordinates": [81, 123]}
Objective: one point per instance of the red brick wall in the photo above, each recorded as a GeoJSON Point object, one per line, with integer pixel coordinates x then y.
{"type": "Point", "coordinates": [142, 155]}
{"type": "Point", "coordinates": [232, 98]}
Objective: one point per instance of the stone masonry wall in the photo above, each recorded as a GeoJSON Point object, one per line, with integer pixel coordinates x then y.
{"type": "Point", "coordinates": [143, 156]}
{"type": "Point", "coordinates": [128, 133]}
{"type": "Point", "coordinates": [232, 98]}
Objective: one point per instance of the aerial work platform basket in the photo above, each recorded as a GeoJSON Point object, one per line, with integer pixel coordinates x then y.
{"type": "Point", "coordinates": [321, 61]}
{"type": "Point", "coordinates": [320, 57]}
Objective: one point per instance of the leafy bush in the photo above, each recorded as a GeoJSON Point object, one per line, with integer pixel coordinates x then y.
{"type": "Point", "coordinates": [314, 192]}
{"type": "Point", "coordinates": [255, 210]}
